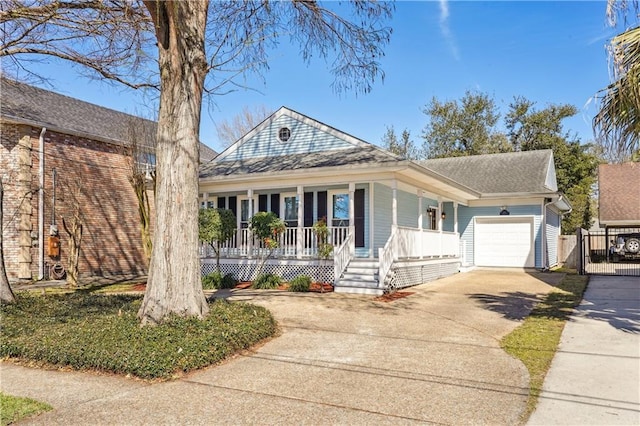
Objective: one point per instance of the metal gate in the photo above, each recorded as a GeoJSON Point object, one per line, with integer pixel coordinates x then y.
{"type": "Point", "coordinates": [600, 253]}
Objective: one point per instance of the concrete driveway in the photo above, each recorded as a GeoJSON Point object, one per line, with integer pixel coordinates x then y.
{"type": "Point", "coordinates": [431, 357]}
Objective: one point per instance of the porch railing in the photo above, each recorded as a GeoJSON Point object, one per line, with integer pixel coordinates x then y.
{"type": "Point", "coordinates": [244, 244]}
{"type": "Point", "coordinates": [342, 256]}
{"type": "Point", "coordinates": [386, 256]}
{"type": "Point", "coordinates": [414, 243]}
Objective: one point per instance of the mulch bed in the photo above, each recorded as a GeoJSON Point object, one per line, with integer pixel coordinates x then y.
{"type": "Point", "coordinates": [390, 297]}
{"type": "Point", "coordinates": [315, 287]}
{"type": "Point", "coordinates": [139, 286]}
{"type": "Point", "coordinates": [321, 288]}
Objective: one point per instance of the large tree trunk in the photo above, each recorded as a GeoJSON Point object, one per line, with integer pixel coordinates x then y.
{"type": "Point", "coordinates": [174, 284]}
{"type": "Point", "coordinates": [6, 294]}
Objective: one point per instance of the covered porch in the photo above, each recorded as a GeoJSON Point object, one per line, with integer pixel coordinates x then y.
{"type": "Point", "coordinates": [374, 227]}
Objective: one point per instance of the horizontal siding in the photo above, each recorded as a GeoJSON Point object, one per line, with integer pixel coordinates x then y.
{"type": "Point", "coordinates": [407, 209]}
{"type": "Point", "coordinates": [304, 139]}
{"type": "Point", "coordinates": [553, 234]}
{"type": "Point", "coordinates": [465, 225]}
{"type": "Point", "coordinates": [382, 200]}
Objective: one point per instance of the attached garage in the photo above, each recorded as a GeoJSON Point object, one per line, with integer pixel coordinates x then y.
{"type": "Point", "coordinates": [504, 241]}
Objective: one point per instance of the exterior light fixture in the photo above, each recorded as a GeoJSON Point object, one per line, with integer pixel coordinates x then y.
{"type": "Point", "coordinates": [443, 215]}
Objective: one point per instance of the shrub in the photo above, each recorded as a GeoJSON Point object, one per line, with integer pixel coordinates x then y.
{"type": "Point", "coordinates": [215, 280]}
{"type": "Point", "coordinates": [228, 281]}
{"type": "Point", "coordinates": [98, 332]}
{"type": "Point", "coordinates": [301, 283]}
{"type": "Point", "coordinates": [267, 281]}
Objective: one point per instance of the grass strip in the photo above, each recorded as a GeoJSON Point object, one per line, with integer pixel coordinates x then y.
{"type": "Point", "coordinates": [14, 408]}
{"type": "Point", "coordinates": [88, 331]}
{"type": "Point", "coordinates": [536, 340]}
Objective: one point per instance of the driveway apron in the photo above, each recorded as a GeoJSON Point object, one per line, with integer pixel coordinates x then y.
{"type": "Point", "coordinates": [430, 357]}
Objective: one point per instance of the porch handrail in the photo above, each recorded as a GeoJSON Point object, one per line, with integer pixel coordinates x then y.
{"type": "Point", "coordinates": [341, 257]}
{"type": "Point", "coordinates": [419, 243]}
{"type": "Point", "coordinates": [386, 256]}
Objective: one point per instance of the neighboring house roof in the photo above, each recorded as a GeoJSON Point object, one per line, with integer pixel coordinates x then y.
{"type": "Point", "coordinates": [619, 194]}
{"type": "Point", "coordinates": [206, 154]}
{"type": "Point", "coordinates": [507, 173]}
{"type": "Point", "coordinates": [25, 104]}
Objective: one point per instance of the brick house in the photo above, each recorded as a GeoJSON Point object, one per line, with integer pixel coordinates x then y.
{"type": "Point", "coordinates": [59, 155]}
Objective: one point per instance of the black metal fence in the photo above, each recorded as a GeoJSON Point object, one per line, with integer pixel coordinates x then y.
{"type": "Point", "coordinates": [598, 254]}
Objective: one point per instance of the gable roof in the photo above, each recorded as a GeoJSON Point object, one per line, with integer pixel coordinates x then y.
{"type": "Point", "coordinates": [506, 173]}
{"type": "Point", "coordinates": [25, 104]}
{"type": "Point", "coordinates": [619, 194]}
{"type": "Point", "coordinates": [312, 145]}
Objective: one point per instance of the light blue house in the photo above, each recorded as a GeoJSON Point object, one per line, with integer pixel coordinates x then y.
{"type": "Point", "coordinates": [393, 222]}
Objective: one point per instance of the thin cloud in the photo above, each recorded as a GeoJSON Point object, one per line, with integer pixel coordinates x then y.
{"type": "Point", "coordinates": [446, 31]}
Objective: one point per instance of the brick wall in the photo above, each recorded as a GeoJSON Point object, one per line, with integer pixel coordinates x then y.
{"type": "Point", "coordinates": [92, 177]}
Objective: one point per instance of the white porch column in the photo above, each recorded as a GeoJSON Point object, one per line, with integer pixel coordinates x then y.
{"type": "Point", "coordinates": [299, 233]}
{"type": "Point", "coordinates": [394, 205]}
{"type": "Point", "coordinates": [352, 218]}
{"type": "Point", "coordinates": [420, 248]}
{"type": "Point", "coordinates": [250, 215]}
{"type": "Point", "coordinates": [455, 217]}
{"type": "Point", "coordinates": [440, 223]}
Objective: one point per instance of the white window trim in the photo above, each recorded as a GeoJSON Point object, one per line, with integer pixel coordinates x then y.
{"type": "Point", "coordinates": [283, 210]}
{"type": "Point", "coordinates": [330, 195]}
{"type": "Point", "coordinates": [239, 208]}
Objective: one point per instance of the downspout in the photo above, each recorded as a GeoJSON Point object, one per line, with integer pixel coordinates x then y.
{"type": "Point", "coordinates": [41, 204]}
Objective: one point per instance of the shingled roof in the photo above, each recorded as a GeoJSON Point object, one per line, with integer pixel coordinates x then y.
{"type": "Point", "coordinates": [342, 157]}
{"type": "Point", "coordinates": [514, 172]}
{"type": "Point", "coordinates": [619, 194]}
{"type": "Point", "coordinates": [22, 103]}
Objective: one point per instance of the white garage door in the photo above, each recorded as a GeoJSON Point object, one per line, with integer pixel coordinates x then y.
{"type": "Point", "coordinates": [504, 241]}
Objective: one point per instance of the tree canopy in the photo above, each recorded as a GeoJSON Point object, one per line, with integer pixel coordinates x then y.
{"type": "Point", "coordinates": [464, 127]}
{"type": "Point", "coordinates": [404, 147]}
{"type": "Point", "coordinates": [471, 126]}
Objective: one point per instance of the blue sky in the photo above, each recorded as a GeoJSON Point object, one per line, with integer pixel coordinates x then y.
{"type": "Point", "coordinates": [548, 52]}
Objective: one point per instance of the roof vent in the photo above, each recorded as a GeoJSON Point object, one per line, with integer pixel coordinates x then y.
{"type": "Point", "coordinates": [284, 134]}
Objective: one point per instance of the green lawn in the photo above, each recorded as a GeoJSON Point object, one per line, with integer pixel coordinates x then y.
{"type": "Point", "coordinates": [536, 340]}
{"type": "Point", "coordinates": [101, 332]}
{"type": "Point", "coordinates": [13, 408]}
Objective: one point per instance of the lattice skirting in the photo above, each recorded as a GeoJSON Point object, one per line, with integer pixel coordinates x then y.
{"type": "Point", "coordinates": [247, 270]}
{"type": "Point", "coordinates": [409, 275]}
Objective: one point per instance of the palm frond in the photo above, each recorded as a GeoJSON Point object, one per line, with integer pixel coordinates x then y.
{"type": "Point", "coordinates": [617, 123]}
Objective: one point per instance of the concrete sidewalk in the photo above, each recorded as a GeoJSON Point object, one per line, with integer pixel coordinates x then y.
{"type": "Point", "coordinates": [595, 375]}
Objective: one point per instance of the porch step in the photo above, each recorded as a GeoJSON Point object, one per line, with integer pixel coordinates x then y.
{"type": "Point", "coordinates": [361, 277]}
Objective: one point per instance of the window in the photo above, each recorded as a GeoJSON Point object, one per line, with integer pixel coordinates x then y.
{"type": "Point", "coordinates": [245, 219]}
{"type": "Point", "coordinates": [284, 134]}
{"type": "Point", "coordinates": [290, 208]}
{"type": "Point", "coordinates": [340, 209]}
{"type": "Point", "coordinates": [432, 217]}
{"type": "Point", "coordinates": [146, 163]}
{"type": "Point", "coordinates": [210, 201]}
